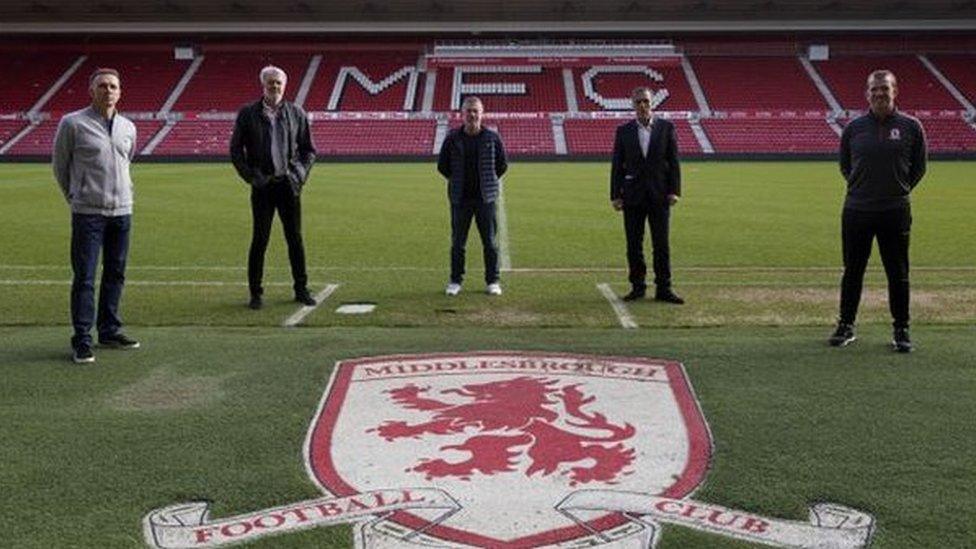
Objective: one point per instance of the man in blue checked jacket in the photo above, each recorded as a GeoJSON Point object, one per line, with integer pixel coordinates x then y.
{"type": "Point", "coordinates": [472, 158]}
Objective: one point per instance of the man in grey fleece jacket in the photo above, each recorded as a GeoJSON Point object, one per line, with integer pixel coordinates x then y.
{"type": "Point", "coordinates": [92, 151]}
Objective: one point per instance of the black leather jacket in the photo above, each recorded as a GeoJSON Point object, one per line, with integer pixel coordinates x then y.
{"type": "Point", "coordinates": [250, 151]}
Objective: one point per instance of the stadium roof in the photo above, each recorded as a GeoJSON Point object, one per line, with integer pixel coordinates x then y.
{"type": "Point", "coordinates": [474, 16]}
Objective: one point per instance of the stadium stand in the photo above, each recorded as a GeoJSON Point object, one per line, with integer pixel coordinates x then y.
{"type": "Point", "coordinates": [959, 70]}
{"type": "Point", "coordinates": [226, 81]}
{"type": "Point", "coordinates": [949, 134]}
{"type": "Point", "coordinates": [40, 140]}
{"type": "Point", "coordinates": [753, 135]}
{"type": "Point", "coordinates": [34, 76]}
{"type": "Point", "coordinates": [9, 127]}
{"type": "Point", "coordinates": [374, 137]}
{"type": "Point", "coordinates": [609, 84]}
{"type": "Point", "coordinates": [372, 98]}
{"type": "Point", "coordinates": [147, 79]}
{"type": "Point", "coordinates": [525, 136]}
{"type": "Point", "coordinates": [197, 137]}
{"type": "Point", "coordinates": [595, 136]}
{"type": "Point", "coordinates": [383, 73]}
{"type": "Point", "coordinates": [757, 83]}
{"type": "Point", "coordinates": [918, 90]}
{"type": "Point", "coordinates": [537, 89]}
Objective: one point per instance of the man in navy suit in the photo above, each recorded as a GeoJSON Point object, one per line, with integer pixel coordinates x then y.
{"type": "Point", "coordinates": [645, 182]}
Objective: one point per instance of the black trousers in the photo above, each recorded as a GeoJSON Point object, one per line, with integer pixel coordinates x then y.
{"type": "Point", "coordinates": [658, 217]}
{"type": "Point", "coordinates": [276, 196]}
{"type": "Point", "coordinates": [892, 228]}
{"type": "Point", "coordinates": [483, 214]}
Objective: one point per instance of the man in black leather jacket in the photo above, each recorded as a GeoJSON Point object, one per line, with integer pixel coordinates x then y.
{"type": "Point", "coordinates": [272, 151]}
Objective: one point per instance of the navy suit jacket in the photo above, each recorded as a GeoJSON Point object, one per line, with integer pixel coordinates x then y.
{"type": "Point", "coordinates": [637, 179]}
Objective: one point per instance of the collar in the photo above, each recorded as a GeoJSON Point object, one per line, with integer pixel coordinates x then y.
{"type": "Point", "coordinates": [894, 113]}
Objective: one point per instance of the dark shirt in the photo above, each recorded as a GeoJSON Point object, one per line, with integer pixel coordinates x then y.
{"type": "Point", "coordinates": [472, 171]}
{"type": "Point", "coordinates": [882, 160]}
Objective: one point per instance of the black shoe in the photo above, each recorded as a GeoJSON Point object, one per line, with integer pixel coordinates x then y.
{"type": "Point", "coordinates": [900, 341]}
{"type": "Point", "coordinates": [843, 335]}
{"type": "Point", "coordinates": [256, 302]}
{"type": "Point", "coordinates": [635, 294]}
{"type": "Point", "coordinates": [668, 296]}
{"type": "Point", "coordinates": [305, 299]}
{"type": "Point", "coordinates": [83, 354]}
{"type": "Point", "coordinates": [118, 341]}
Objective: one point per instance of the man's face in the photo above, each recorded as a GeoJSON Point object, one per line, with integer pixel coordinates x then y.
{"type": "Point", "coordinates": [473, 113]}
{"type": "Point", "coordinates": [274, 88]}
{"type": "Point", "coordinates": [642, 105]}
{"type": "Point", "coordinates": [881, 93]}
{"type": "Point", "coordinates": [106, 91]}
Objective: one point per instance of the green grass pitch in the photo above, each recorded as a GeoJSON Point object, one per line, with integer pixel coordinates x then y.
{"type": "Point", "coordinates": [216, 404]}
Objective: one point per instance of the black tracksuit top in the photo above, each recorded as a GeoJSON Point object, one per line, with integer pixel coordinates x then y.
{"type": "Point", "coordinates": [882, 160]}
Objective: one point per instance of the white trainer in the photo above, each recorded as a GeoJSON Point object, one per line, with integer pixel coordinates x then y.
{"type": "Point", "coordinates": [494, 289]}
{"type": "Point", "coordinates": [453, 289]}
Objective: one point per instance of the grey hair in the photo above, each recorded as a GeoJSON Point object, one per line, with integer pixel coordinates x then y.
{"type": "Point", "coordinates": [269, 70]}
{"type": "Point", "coordinates": [881, 74]}
{"type": "Point", "coordinates": [470, 100]}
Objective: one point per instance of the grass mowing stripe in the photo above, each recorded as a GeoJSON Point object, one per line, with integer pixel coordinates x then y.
{"type": "Point", "coordinates": [623, 315]}
{"type": "Point", "coordinates": [138, 283]}
{"type": "Point", "coordinates": [305, 310]}
{"type": "Point", "coordinates": [504, 255]}
{"type": "Point", "coordinates": [581, 269]}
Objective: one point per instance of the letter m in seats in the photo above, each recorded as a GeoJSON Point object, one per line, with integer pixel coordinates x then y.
{"type": "Point", "coordinates": [375, 88]}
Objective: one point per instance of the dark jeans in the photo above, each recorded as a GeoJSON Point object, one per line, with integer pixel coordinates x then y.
{"type": "Point", "coordinates": [858, 230]}
{"type": "Point", "coordinates": [658, 217]}
{"type": "Point", "coordinates": [90, 235]}
{"type": "Point", "coordinates": [484, 215]}
{"type": "Point", "coordinates": [279, 196]}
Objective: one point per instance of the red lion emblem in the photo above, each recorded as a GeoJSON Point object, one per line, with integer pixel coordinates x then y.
{"type": "Point", "coordinates": [515, 418]}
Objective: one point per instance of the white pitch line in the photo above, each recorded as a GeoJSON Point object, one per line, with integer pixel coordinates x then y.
{"type": "Point", "coordinates": [305, 310]}
{"type": "Point", "coordinates": [623, 315]}
{"type": "Point", "coordinates": [504, 255]}
{"type": "Point", "coordinates": [582, 269]}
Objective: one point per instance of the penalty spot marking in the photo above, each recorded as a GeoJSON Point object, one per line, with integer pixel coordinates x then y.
{"type": "Point", "coordinates": [623, 315]}
{"type": "Point", "coordinates": [305, 310]}
{"type": "Point", "coordinates": [355, 308]}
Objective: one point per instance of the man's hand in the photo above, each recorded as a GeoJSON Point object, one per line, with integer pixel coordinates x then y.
{"type": "Point", "coordinates": [672, 199]}
{"type": "Point", "coordinates": [618, 204]}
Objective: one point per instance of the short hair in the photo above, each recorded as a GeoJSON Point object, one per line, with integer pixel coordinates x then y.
{"type": "Point", "coordinates": [640, 90]}
{"type": "Point", "coordinates": [101, 71]}
{"type": "Point", "coordinates": [470, 100]}
{"type": "Point", "coordinates": [271, 69]}
{"type": "Point", "coordinates": [881, 74]}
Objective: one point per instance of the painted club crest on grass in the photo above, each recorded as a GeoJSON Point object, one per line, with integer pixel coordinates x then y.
{"type": "Point", "coordinates": [526, 425]}
{"type": "Point", "coordinates": [508, 449]}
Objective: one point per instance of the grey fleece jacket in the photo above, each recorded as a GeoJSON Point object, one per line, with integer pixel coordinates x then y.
{"type": "Point", "coordinates": [91, 166]}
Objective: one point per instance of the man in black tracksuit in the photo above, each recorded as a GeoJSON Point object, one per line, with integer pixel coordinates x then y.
{"type": "Point", "coordinates": [272, 151]}
{"type": "Point", "coordinates": [882, 158]}
{"type": "Point", "coordinates": [472, 158]}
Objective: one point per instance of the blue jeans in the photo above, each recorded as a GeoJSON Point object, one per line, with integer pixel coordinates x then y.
{"type": "Point", "coordinates": [484, 215]}
{"type": "Point", "coordinates": [90, 235]}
